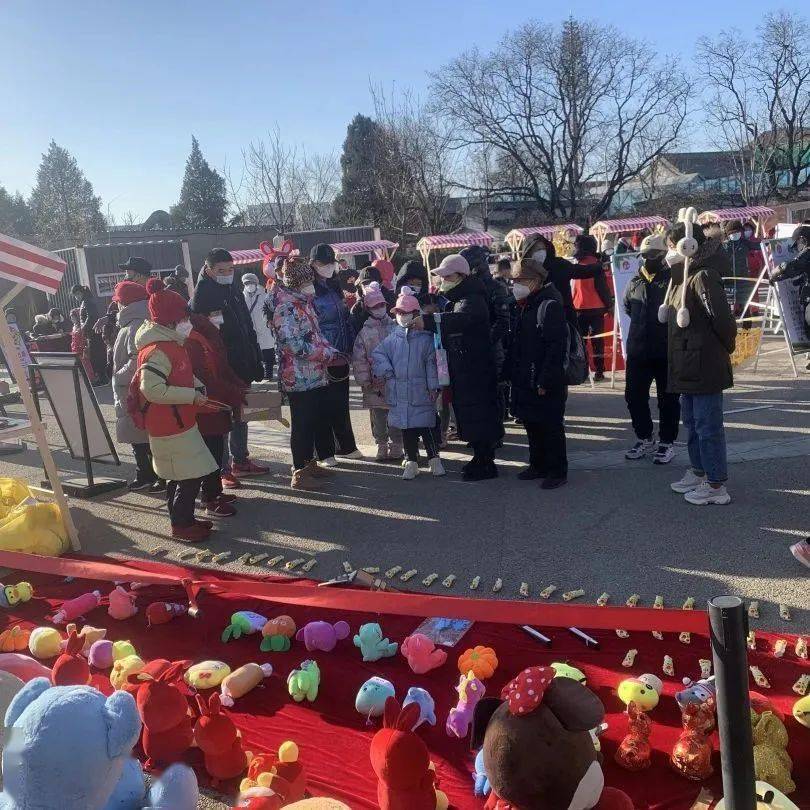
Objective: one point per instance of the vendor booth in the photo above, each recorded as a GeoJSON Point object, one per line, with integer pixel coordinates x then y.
{"type": "Point", "coordinates": [380, 249]}
{"type": "Point", "coordinates": [517, 237]}
{"type": "Point", "coordinates": [758, 214]}
{"type": "Point", "coordinates": [621, 227]}
{"type": "Point", "coordinates": [450, 241]}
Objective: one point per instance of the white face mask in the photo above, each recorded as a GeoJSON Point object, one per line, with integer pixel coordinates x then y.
{"type": "Point", "coordinates": [217, 320]}
{"type": "Point", "coordinates": [251, 288]}
{"type": "Point", "coordinates": [308, 289]}
{"type": "Point", "coordinates": [673, 257]}
{"type": "Point", "coordinates": [448, 283]}
{"type": "Point", "coordinates": [415, 288]}
{"type": "Point", "coordinates": [378, 313]}
{"type": "Point", "coordinates": [539, 255]}
{"type": "Point", "coordinates": [225, 279]}
{"type": "Point", "coordinates": [735, 237]}
{"type": "Point", "coordinates": [520, 291]}
{"type": "Point", "coordinates": [183, 328]}
{"type": "Point", "coordinates": [404, 319]}
{"type": "Point", "coordinates": [326, 270]}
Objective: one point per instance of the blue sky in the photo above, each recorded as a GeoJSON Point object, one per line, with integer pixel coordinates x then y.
{"type": "Point", "coordinates": [122, 85]}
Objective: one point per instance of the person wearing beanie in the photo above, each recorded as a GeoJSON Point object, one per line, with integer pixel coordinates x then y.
{"type": "Point", "coordinates": [406, 362]}
{"type": "Point", "coordinates": [167, 398]}
{"type": "Point", "coordinates": [131, 299]}
{"type": "Point", "coordinates": [737, 248]}
{"type": "Point", "coordinates": [466, 336]}
{"type": "Point", "coordinates": [376, 328]}
{"type": "Point", "coordinates": [647, 356]}
{"type": "Point", "coordinates": [304, 355]}
{"type": "Point", "coordinates": [337, 328]}
{"type": "Point", "coordinates": [537, 361]}
{"type": "Point", "coordinates": [178, 281]}
{"type": "Point", "coordinates": [254, 300]}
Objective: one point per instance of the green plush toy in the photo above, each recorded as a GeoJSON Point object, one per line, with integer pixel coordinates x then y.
{"type": "Point", "coordinates": [275, 644]}
{"type": "Point", "coordinates": [304, 682]}
{"type": "Point", "coordinates": [372, 644]}
{"type": "Point", "coordinates": [243, 623]}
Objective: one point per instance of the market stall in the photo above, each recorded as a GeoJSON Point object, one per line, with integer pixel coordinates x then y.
{"type": "Point", "coordinates": [517, 237]}
{"type": "Point", "coordinates": [621, 227]}
{"type": "Point", "coordinates": [381, 248]}
{"type": "Point", "coordinates": [758, 214]}
{"type": "Point", "coordinates": [450, 241]}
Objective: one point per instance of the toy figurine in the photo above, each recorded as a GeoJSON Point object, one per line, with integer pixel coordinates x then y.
{"type": "Point", "coordinates": [371, 697]}
{"type": "Point", "coordinates": [644, 690]}
{"type": "Point", "coordinates": [277, 634]}
{"type": "Point", "coordinates": [304, 682]}
{"type": "Point", "coordinates": [164, 612]}
{"type": "Point", "coordinates": [242, 680]}
{"type": "Point", "coordinates": [71, 669]}
{"type": "Point", "coordinates": [121, 603]}
{"type": "Point", "coordinates": [633, 753]}
{"type": "Point", "coordinates": [14, 594]}
{"type": "Point", "coordinates": [243, 623]}
{"type": "Point", "coordinates": [76, 608]}
{"type": "Point", "coordinates": [322, 635]}
{"type": "Point", "coordinates": [422, 654]}
{"type": "Point", "coordinates": [217, 737]}
{"type": "Point", "coordinates": [372, 644]}
{"type": "Point", "coordinates": [470, 691]}
{"type": "Point", "coordinates": [427, 706]}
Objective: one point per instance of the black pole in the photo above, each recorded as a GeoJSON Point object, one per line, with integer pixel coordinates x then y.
{"type": "Point", "coordinates": [729, 629]}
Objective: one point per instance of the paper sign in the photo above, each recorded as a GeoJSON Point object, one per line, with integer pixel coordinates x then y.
{"type": "Point", "coordinates": [623, 267]}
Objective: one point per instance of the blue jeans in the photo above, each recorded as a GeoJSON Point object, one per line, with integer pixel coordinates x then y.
{"type": "Point", "coordinates": [237, 442]}
{"type": "Point", "coordinates": [703, 420]}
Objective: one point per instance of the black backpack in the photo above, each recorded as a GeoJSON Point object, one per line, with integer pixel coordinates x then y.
{"type": "Point", "coordinates": [575, 359]}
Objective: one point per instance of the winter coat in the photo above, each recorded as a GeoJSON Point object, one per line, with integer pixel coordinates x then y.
{"type": "Point", "coordinates": [125, 361]}
{"type": "Point", "coordinates": [183, 455]}
{"type": "Point", "coordinates": [333, 317]}
{"type": "Point", "coordinates": [560, 274]}
{"type": "Point", "coordinates": [591, 290]}
{"type": "Point", "coordinates": [537, 355]}
{"type": "Point", "coordinates": [797, 266]}
{"type": "Point", "coordinates": [699, 355]}
{"type": "Point", "coordinates": [465, 332]}
{"type": "Point", "coordinates": [96, 350]}
{"type": "Point", "coordinates": [413, 269]}
{"type": "Point", "coordinates": [303, 352]}
{"type": "Point", "coordinates": [255, 307]}
{"type": "Point", "coordinates": [176, 284]}
{"type": "Point", "coordinates": [237, 330]}
{"type": "Point", "coordinates": [647, 337]}
{"type": "Point", "coordinates": [736, 289]}
{"type": "Point", "coordinates": [406, 360]}
{"type": "Point", "coordinates": [374, 331]}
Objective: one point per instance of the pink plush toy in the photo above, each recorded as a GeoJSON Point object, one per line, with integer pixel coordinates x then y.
{"type": "Point", "coordinates": [76, 608]}
{"type": "Point", "coordinates": [122, 603]}
{"type": "Point", "coordinates": [470, 691]}
{"type": "Point", "coordinates": [23, 666]}
{"type": "Point", "coordinates": [322, 635]}
{"type": "Point", "coordinates": [422, 654]}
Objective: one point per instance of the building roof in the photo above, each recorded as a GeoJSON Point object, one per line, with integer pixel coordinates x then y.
{"type": "Point", "coordinates": [709, 165]}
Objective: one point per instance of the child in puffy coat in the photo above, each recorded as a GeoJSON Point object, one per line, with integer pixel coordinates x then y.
{"type": "Point", "coordinates": [375, 329]}
{"type": "Point", "coordinates": [406, 360]}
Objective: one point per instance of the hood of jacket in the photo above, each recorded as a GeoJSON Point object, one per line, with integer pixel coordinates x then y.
{"type": "Point", "coordinates": [710, 256]}
{"type": "Point", "coordinates": [285, 295]}
{"type": "Point", "coordinates": [537, 241]}
{"type": "Point", "coordinates": [470, 285]}
{"type": "Point", "coordinates": [412, 269]}
{"type": "Point", "coordinates": [149, 333]}
{"type": "Point", "coordinates": [136, 311]}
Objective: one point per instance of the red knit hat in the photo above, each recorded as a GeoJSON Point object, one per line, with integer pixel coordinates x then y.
{"type": "Point", "coordinates": [128, 292]}
{"type": "Point", "coordinates": [165, 307]}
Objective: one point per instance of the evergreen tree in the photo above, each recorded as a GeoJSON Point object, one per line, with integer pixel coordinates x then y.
{"type": "Point", "coordinates": [202, 198]}
{"type": "Point", "coordinates": [64, 209]}
{"type": "Point", "coordinates": [15, 216]}
{"type": "Point", "coordinates": [360, 200]}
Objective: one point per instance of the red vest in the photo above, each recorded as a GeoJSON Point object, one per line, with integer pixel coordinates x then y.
{"type": "Point", "coordinates": [584, 293]}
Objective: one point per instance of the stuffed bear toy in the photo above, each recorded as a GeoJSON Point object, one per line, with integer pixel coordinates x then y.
{"type": "Point", "coordinates": [538, 750]}
{"type": "Point", "coordinates": [70, 747]}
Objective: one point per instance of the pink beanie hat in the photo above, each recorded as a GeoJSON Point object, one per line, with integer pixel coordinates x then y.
{"type": "Point", "coordinates": [373, 296]}
{"type": "Point", "coordinates": [406, 302]}
{"type": "Point", "coordinates": [453, 264]}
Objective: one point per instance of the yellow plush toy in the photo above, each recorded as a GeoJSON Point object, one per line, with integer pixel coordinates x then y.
{"type": "Point", "coordinates": [801, 711]}
{"type": "Point", "coordinates": [207, 674]}
{"type": "Point", "coordinates": [122, 650]}
{"type": "Point", "coordinates": [45, 642]}
{"type": "Point", "coordinates": [772, 763]}
{"type": "Point", "coordinates": [645, 691]}
{"type": "Point", "coordinates": [123, 668]}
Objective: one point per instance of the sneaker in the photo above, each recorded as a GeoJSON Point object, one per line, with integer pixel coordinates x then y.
{"type": "Point", "coordinates": [436, 467]}
{"type": "Point", "coordinates": [395, 452]}
{"type": "Point", "coordinates": [642, 448]}
{"type": "Point", "coordinates": [663, 454]}
{"type": "Point", "coordinates": [706, 493]}
{"type": "Point", "coordinates": [689, 482]}
{"type": "Point", "coordinates": [318, 472]}
{"type": "Point", "coordinates": [382, 453]}
{"type": "Point", "coordinates": [354, 454]}
{"type": "Point", "coordinates": [194, 533]}
{"type": "Point", "coordinates": [158, 486]}
{"type": "Point", "coordinates": [553, 483]}
{"type": "Point", "coordinates": [529, 474]}
{"type": "Point", "coordinates": [226, 497]}
{"type": "Point", "coordinates": [303, 479]}
{"type": "Point", "coordinates": [411, 470]}
{"type": "Point", "coordinates": [599, 376]}
{"type": "Point", "coordinates": [329, 462]}
{"type": "Point", "coordinates": [248, 469]}
{"type": "Point", "coordinates": [229, 481]}
{"type": "Point", "coordinates": [138, 485]}
{"type": "Point", "coordinates": [801, 551]}
{"type": "Point", "coordinates": [219, 508]}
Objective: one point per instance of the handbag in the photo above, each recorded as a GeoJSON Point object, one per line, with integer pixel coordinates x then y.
{"type": "Point", "coordinates": [442, 365]}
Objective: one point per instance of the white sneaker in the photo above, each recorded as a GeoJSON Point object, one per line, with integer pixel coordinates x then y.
{"type": "Point", "coordinates": [706, 493]}
{"type": "Point", "coordinates": [436, 467]}
{"type": "Point", "coordinates": [329, 462]}
{"type": "Point", "coordinates": [689, 482]}
{"type": "Point", "coordinates": [353, 454]}
{"type": "Point", "coordinates": [382, 452]}
{"type": "Point", "coordinates": [640, 449]}
{"type": "Point", "coordinates": [411, 470]}
{"type": "Point", "coordinates": [663, 454]}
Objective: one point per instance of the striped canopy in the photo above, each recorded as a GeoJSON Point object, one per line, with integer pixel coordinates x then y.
{"type": "Point", "coordinates": [25, 264]}
{"type": "Point", "coordinates": [246, 256]}
{"type": "Point", "coordinates": [453, 240]}
{"type": "Point", "coordinates": [353, 248]}
{"type": "Point", "coordinates": [517, 236]}
{"type": "Point", "coordinates": [630, 225]}
{"type": "Point", "coordinates": [733, 214]}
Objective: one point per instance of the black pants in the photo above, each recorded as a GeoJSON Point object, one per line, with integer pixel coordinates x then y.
{"type": "Point", "coordinates": [547, 452]}
{"type": "Point", "coordinates": [639, 375]}
{"type": "Point", "coordinates": [483, 452]}
{"type": "Point", "coordinates": [212, 484]}
{"type": "Point", "coordinates": [310, 427]}
{"type": "Point", "coordinates": [338, 411]}
{"type": "Point", "coordinates": [180, 498]}
{"type": "Point", "coordinates": [429, 437]}
{"type": "Point", "coordinates": [143, 462]}
{"type": "Point", "coordinates": [592, 322]}
{"type": "Point", "coordinates": [269, 361]}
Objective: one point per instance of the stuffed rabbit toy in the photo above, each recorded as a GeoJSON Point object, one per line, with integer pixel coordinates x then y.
{"type": "Point", "coordinates": [217, 737]}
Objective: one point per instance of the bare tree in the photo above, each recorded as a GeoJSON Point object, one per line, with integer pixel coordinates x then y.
{"type": "Point", "coordinates": [320, 176]}
{"type": "Point", "coordinates": [578, 111]}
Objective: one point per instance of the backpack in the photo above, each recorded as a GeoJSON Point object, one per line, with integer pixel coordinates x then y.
{"type": "Point", "coordinates": [575, 359]}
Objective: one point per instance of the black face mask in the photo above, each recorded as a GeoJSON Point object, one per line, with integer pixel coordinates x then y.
{"type": "Point", "coordinates": [653, 263]}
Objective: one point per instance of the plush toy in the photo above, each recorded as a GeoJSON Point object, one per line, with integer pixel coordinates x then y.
{"type": "Point", "coordinates": [14, 594]}
{"type": "Point", "coordinates": [242, 680]}
{"type": "Point", "coordinates": [481, 786]}
{"type": "Point", "coordinates": [633, 753]}
{"type": "Point", "coordinates": [371, 697]}
{"type": "Point", "coordinates": [277, 634]}
{"type": "Point", "coordinates": [72, 750]}
{"type": "Point", "coordinates": [470, 691]}
{"type": "Point", "coordinates": [568, 671]}
{"type": "Point", "coordinates": [217, 737]}
{"type": "Point", "coordinates": [696, 691]}
{"type": "Point", "coordinates": [538, 751]}
{"type": "Point", "coordinates": [692, 753]}
{"type": "Point", "coordinates": [243, 623]}
{"type": "Point", "coordinates": [168, 728]}
{"type": "Point", "coordinates": [89, 635]}
{"type": "Point", "coordinates": [801, 711]}
{"type": "Point", "coordinates": [304, 682]}
{"type": "Point", "coordinates": [71, 669]}
{"type": "Point", "coordinates": [9, 686]}
{"type": "Point", "coordinates": [422, 654]}
{"type": "Point", "coordinates": [644, 690]}
{"type": "Point", "coordinates": [207, 674]}
{"type": "Point", "coordinates": [100, 655]}
{"type": "Point", "coordinates": [322, 635]}
{"type": "Point", "coordinates": [76, 608]}
{"type": "Point", "coordinates": [121, 603]}
{"type": "Point", "coordinates": [481, 661]}
{"type": "Point", "coordinates": [372, 644]}
{"type": "Point", "coordinates": [24, 667]}
{"type": "Point", "coordinates": [401, 761]}
{"type": "Point", "coordinates": [14, 640]}
{"type": "Point", "coordinates": [124, 668]}
{"type": "Point", "coordinates": [281, 777]}
{"type": "Point", "coordinates": [772, 763]}
{"type": "Point", "coordinates": [427, 706]}
{"type": "Point", "coordinates": [768, 798]}
{"type": "Point", "coordinates": [164, 612]}
{"type": "Point", "coordinates": [45, 642]}
{"type": "Point", "coordinates": [122, 649]}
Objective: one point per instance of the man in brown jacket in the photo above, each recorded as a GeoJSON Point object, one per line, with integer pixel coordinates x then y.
{"type": "Point", "coordinates": [699, 358]}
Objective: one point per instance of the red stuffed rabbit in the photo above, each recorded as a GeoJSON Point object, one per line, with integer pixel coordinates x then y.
{"type": "Point", "coordinates": [168, 728]}
{"type": "Point", "coordinates": [71, 669]}
{"type": "Point", "coordinates": [217, 737]}
{"type": "Point", "coordinates": [402, 763]}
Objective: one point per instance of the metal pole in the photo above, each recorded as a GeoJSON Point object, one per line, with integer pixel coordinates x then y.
{"type": "Point", "coordinates": [88, 465]}
{"type": "Point", "coordinates": [729, 629]}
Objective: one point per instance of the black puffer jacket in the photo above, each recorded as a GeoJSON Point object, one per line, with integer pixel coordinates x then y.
{"type": "Point", "coordinates": [737, 289]}
{"type": "Point", "coordinates": [413, 269]}
{"type": "Point", "coordinates": [465, 334]}
{"type": "Point", "coordinates": [647, 338]}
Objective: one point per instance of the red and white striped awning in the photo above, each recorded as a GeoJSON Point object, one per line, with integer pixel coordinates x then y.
{"type": "Point", "coordinates": [453, 240]}
{"type": "Point", "coordinates": [246, 256]}
{"type": "Point", "coordinates": [517, 236]}
{"type": "Point", "coordinates": [29, 265]}
{"type": "Point", "coordinates": [630, 225]}
{"type": "Point", "coordinates": [353, 248]}
{"type": "Point", "coordinates": [736, 214]}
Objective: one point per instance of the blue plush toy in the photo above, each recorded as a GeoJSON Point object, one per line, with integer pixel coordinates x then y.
{"type": "Point", "coordinates": [427, 706]}
{"type": "Point", "coordinates": [372, 644]}
{"type": "Point", "coordinates": [371, 697]}
{"type": "Point", "coordinates": [482, 786]}
{"type": "Point", "coordinates": [69, 747]}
